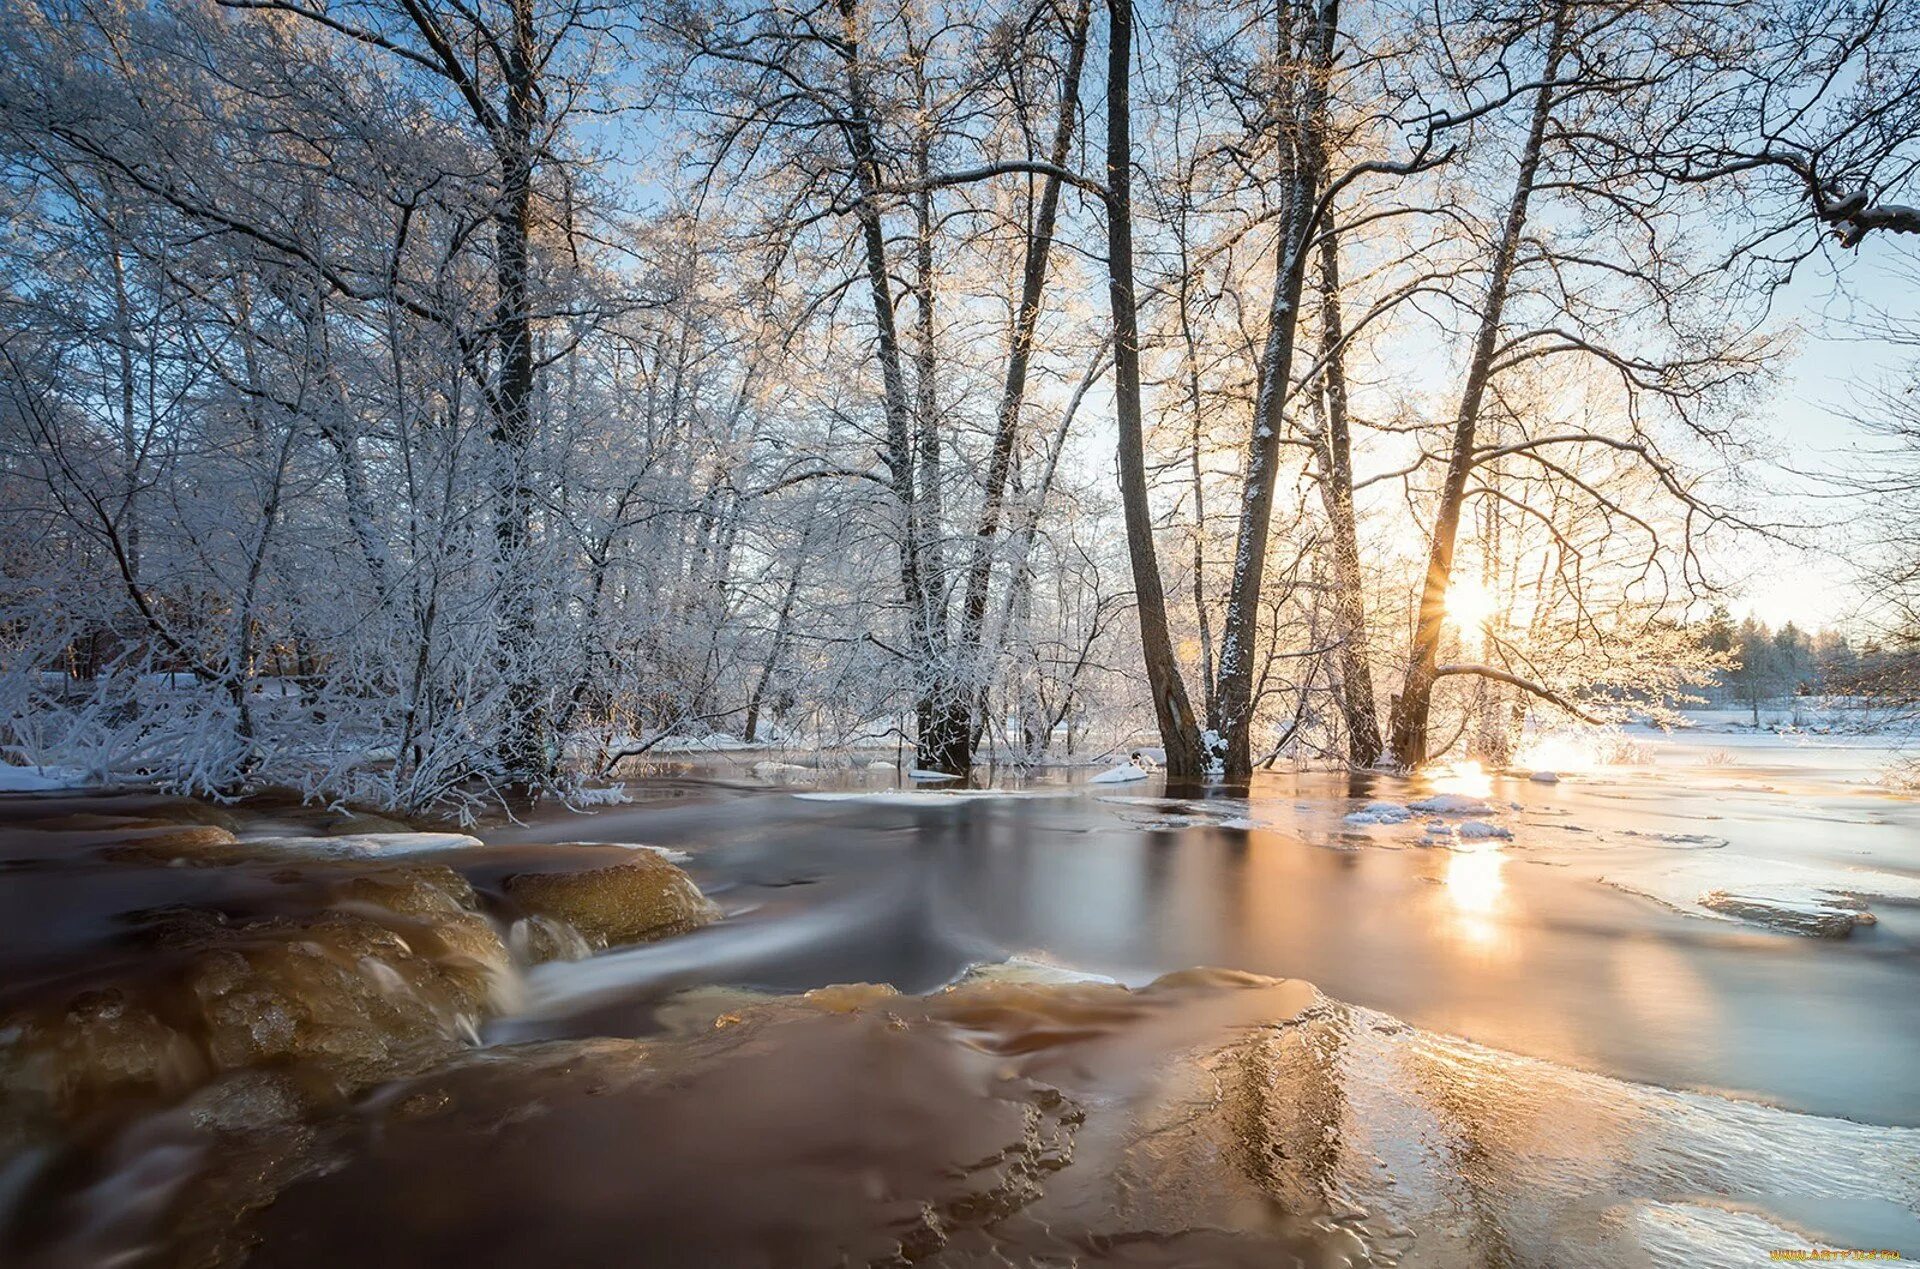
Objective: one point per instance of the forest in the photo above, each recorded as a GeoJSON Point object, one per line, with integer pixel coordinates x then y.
{"type": "Point", "coordinates": [429, 402]}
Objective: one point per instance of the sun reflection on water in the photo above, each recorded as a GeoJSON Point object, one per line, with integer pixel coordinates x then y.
{"type": "Point", "coordinates": [1466, 778]}
{"type": "Point", "coordinates": [1475, 889]}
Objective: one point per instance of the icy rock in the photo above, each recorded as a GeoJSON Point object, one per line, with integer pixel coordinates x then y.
{"type": "Point", "coordinates": [1125, 773]}
{"type": "Point", "coordinates": [634, 902]}
{"type": "Point", "coordinates": [1824, 916]}
{"type": "Point", "coordinates": [1481, 830]}
{"type": "Point", "coordinates": [1545, 777]}
{"type": "Point", "coordinates": [1380, 813]}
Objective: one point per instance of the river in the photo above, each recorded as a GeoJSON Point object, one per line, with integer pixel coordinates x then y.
{"type": "Point", "coordinates": [1654, 1011]}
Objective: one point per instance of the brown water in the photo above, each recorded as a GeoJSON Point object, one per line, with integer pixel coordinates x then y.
{"type": "Point", "coordinates": [1512, 1051]}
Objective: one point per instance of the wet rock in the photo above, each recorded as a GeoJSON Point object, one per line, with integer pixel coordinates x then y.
{"type": "Point", "coordinates": [192, 844]}
{"type": "Point", "coordinates": [848, 997]}
{"type": "Point", "coordinates": [637, 900]}
{"type": "Point", "coordinates": [388, 970]}
{"type": "Point", "coordinates": [538, 939]}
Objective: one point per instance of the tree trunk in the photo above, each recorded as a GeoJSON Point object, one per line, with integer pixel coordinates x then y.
{"type": "Point", "coordinates": [1300, 193]}
{"type": "Point", "coordinates": [944, 712]}
{"type": "Point", "coordinates": [1335, 455]}
{"type": "Point", "coordinates": [782, 630]}
{"type": "Point", "coordinates": [524, 752]}
{"type": "Point", "coordinates": [1415, 702]}
{"type": "Point", "coordinates": [1179, 734]}
{"type": "Point", "coordinates": [1033, 277]}
{"type": "Point", "coordinates": [901, 452]}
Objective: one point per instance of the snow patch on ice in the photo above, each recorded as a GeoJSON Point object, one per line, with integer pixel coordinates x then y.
{"type": "Point", "coordinates": [1452, 804]}
{"type": "Point", "coordinates": [1125, 773]}
{"type": "Point", "coordinates": [1380, 813]}
{"type": "Point", "coordinates": [1480, 830]}
{"type": "Point", "coordinates": [1778, 894]}
{"type": "Point", "coordinates": [930, 777]}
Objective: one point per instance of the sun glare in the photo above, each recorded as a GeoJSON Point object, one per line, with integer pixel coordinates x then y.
{"type": "Point", "coordinates": [1470, 605]}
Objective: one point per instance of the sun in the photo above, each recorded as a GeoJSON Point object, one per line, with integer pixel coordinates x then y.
{"type": "Point", "coordinates": [1470, 605]}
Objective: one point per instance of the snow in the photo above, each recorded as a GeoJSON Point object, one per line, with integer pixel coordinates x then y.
{"type": "Point", "coordinates": [1380, 813]}
{"type": "Point", "coordinates": [916, 773]}
{"type": "Point", "coordinates": [667, 853]}
{"type": "Point", "coordinates": [1122, 774]}
{"type": "Point", "coordinates": [1451, 804]}
{"type": "Point", "coordinates": [372, 843]}
{"type": "Point", "coordinates": [40, 779]}
{"type": "Point", "coordinates": [1799, 898]}
{"type": "Point", "coordinates": [609, 795]}
{"type": "Point", "coordinates": [1481, 830]}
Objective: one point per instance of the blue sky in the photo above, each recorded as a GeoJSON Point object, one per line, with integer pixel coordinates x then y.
{"type": "Point", "coordinates": [1811, 419]}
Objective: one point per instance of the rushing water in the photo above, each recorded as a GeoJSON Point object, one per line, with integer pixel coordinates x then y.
{"type": "Point", "coordinates": [1608, 1020]}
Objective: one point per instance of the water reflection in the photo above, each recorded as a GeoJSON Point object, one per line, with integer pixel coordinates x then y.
{"type": "Point", "coordinates": [1496, 940]}
{"type": "Point", "coordinates": [1464, 779]}
{"type": "Point", "coordinates": [1475, 886]}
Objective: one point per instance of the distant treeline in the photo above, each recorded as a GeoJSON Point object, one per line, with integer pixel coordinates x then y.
{"type": "Point", "coordinates": [1766, 664]}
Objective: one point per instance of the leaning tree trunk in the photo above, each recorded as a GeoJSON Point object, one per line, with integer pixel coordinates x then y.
{"type": "Point", "coordinates": [1179, 734]}
{"type": "Point", "coordinates": [1415, 702]}
{"type": "Point", "coordinates": [1335, 455]}
{"type": "Point", "coordinates": [1300, 196]}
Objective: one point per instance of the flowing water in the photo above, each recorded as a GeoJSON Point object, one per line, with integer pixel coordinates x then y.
{"type": "Point", "coordinates": [1653, 1014]}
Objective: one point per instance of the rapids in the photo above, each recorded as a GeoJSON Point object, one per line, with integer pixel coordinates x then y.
{"type": "Point", "coordinates": [1660, 1014]}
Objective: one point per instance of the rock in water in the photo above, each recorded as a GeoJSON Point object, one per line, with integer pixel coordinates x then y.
{"type": "Point", "coordinates": [387, 969]}
{"type": "Point", "coordinates": [635, 901]}
{"type": "Point", "coordinates": [1821, 915]}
